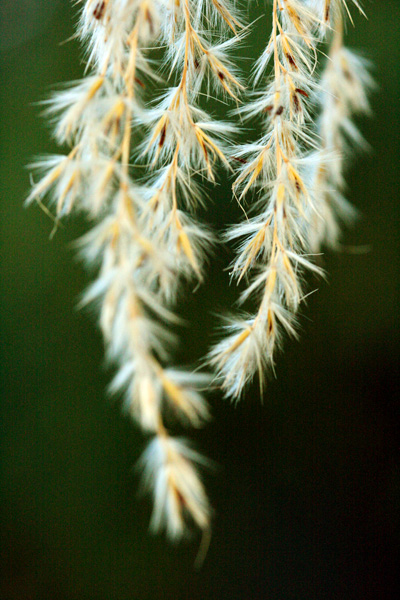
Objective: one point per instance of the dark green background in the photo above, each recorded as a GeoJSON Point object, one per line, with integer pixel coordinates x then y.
{"type": "Point", "coordinates": [307, 493]}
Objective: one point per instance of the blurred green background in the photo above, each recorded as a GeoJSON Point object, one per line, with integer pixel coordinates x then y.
{"type": "Point", "coordinates": [307, 492]}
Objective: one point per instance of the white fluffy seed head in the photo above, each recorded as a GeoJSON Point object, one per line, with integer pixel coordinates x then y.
{"type": "Point", "coordinates": [170, 471]}
{"type": "Point", "coordinates": [294, 172]}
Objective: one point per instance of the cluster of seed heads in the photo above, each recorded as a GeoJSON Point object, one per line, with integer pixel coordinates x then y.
{"type": "Point", "coordinates": [141, 144]}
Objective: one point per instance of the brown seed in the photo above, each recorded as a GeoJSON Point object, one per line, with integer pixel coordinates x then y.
{"type": "Point", "coordinates": [302, 92]}
{"type": "Point", "coordinates": [270, 324]}
{"type": "Point", "coordinates": [181, 499]}
{"type": "Point", "coordinates": [348, 75]}
{"type": "Point", "coordinates": [99, 10]}
{"type": "Point", "coordinates": [291, 60]}
{"type": "Point", "coordinates": [162, 136]}
{"type": "Point", "coordinates": [327, 9]}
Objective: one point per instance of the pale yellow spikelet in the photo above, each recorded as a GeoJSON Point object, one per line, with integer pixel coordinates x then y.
{"type": "Point", "coordinates": [170, 471]}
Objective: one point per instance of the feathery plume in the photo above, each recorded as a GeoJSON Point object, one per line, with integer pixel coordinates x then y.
{"type": "Point", "coordinates": [293, 213]}
{"type": "Point", "coordinates": [143, 240]}
{"type": "Point", "coordinates": [277, 166]}
{"type": "Point", "coordinates": [344, 86]}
